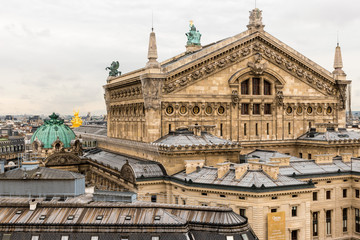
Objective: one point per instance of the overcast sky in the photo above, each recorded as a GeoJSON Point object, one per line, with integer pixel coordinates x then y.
{"type": "Point", "coordinates": [53, 54]}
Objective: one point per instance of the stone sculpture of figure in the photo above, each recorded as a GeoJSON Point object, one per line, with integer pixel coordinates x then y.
{"type": "Point", "coordinates": [257, 67]}
{"type": "Point", "coordinates": [114, 69]}
{"type": "Point", "coordinates": [193, 35]}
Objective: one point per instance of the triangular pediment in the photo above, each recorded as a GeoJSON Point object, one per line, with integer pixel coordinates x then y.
{"type": "Point", "coordinates": [189, 69]}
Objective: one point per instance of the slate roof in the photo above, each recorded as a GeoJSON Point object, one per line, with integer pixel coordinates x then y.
{"type": "Point", "coordinates": [301, 166]}
{"type": "Point", "coordinates": [91, 129]}
{"type": "Point", "coordinates": [145, 168]}
{"type": "Point", "coordinates": [331, 135]}
{"type": "Point", "coordinates": [184, 137]}
{"type": "Point", "coordinates": [40, 173]}
{"type": "Point", "coordinates": [208, 175]}
{"type": "Point", "coordinates": [113, 220]}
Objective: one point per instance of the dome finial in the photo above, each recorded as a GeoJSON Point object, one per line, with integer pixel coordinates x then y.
{"type": "Point", "coordinates": [54, 116]}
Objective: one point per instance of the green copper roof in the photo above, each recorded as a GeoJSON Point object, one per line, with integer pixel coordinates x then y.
{"type": "Point", "coordinates": [51, 130]}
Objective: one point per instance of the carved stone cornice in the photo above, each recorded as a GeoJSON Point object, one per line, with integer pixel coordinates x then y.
{"type": "Point", "coordinates": [126, 93]}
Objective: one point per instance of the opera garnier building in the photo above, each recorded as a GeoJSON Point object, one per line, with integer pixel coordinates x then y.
{"type": "Point", "coordinates": [246, 122]}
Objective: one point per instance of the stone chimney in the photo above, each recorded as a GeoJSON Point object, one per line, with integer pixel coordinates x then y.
{"type": "Point", "coordinates": [346, 157]}
{"type": "Point", "coordinates": [193, 165]}
{"type": "Point", "coordinates": [271, 169]}
{"type": "Point", "coordinates": [281, 161]}
{"type": "Point", "coordinates": [323, 158]}
{"type": "Point", "coordinates": [240, 170]}
{"type": "Point", "coordinates": [196, 129]}
{"type": "Point", "coordinates": [223, 168]}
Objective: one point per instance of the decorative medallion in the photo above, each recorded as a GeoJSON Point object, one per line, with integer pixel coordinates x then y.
{"type": "Point", "coordinates": [221, 110]}
{"type": "Point", "coordinates": [299, 110]}
{"type": "Point", "coordinates": [183, 109]}
{"type": "Point", "coordinates": [196, 110]}
{"type": "Point", "coordinates": [329, 110]}
{"type": "Point", "coordinates": [209, 110]}
{"type": "Point", "coordinates": [319, 109]}
{"type": "Point", "coordinates": [289, 110]}
{"type": "Point", "coordinates": [169, 110]}
{"type": "Point", "coordinates": [309, 110]}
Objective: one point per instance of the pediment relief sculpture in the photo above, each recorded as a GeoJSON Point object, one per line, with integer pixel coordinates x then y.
{"type": "Point", "coordinates": [258, 66]}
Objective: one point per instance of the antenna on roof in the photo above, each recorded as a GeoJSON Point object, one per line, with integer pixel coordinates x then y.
{"type": "Point", "coordinates": [152, 20]}
{"type": "Point", "coordinates": [338, 38]}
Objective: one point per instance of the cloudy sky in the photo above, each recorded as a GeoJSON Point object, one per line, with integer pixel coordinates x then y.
{"type": "Point", "coordinates": [53, 54]}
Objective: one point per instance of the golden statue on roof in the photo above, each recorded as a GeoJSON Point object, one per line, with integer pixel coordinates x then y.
{"type": "Point", "coordinates": [76, 120]}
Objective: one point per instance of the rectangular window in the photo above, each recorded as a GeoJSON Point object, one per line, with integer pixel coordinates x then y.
{"type": "Point", "coordinates": [244, 129]}
{"type": "Point", "coordinates": [242, 212]}
{"type": "Point", "coordinates": [357, 220]}
{"type": "Point", "coordinates": [294, 211]}
{"type": "Point", "coordinates": [345, 218]}
{"type": "Point", "coordinates": [328, 222]}
{"type": "Point", "coordinates": [267, 88]}
{"type": "Point", "coordinates": [34, 237]}
{"type": "Point", "coordinates": [328, 195]}
{"type": "Point", "coordinates": [315, 196]}
{"type": "Point", "coordinates": [344, 193]}
{"type": "Point", "coordinates": [245, 87]}
{"type": "Point", "coordinates": [229, 237]}
{"type": "Point", "coordinates": [267, 128]}
{"type": "Point", "coordinates": [289, 128]}
{"type": "Point", "coordinates": [256, 109]}
{"type": "Point", "coordinates": [309, 156]}
{"type": "Point", "coordinates": [273, 210]}
{"type": "Point", "coordinates": [357, 193]}
{"type": "Point", "coordinates": [245, 109]}
{"type": "Point", "coordinates": [256, 129]}
{"type": "Point", "coordinates": [153, 198]}
{"type": "Point", "coordinates": [221, 129]}
{"type": "Point", "coordinates": [315, 223]}
{"type": "Point", "coordinates": [267, 108]}
{"type": "Point", "coordinates": [176, 200]}
{"type": "Point", "coordinates": [256, 86]}
{"type": "Point", "coordinates": [294, 235]}
{"type": "Point", "coordinates": [300, 155]}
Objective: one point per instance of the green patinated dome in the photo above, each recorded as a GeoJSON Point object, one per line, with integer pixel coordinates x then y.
{"type": "Point", "coordinates": [51, 130]}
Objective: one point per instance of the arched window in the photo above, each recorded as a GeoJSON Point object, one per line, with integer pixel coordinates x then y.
{"type": "Point", "coordinates": [256, 86]}
{"type": "Point", "coordinates": [267, 88]}
{"type": "Point", "coordinates": [245, 87]}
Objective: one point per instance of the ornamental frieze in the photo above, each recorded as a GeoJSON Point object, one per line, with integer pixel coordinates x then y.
{"type": "Point", "coordinates": [126, 93]}
{"type": "Point", "coordinates": [126, 110]}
